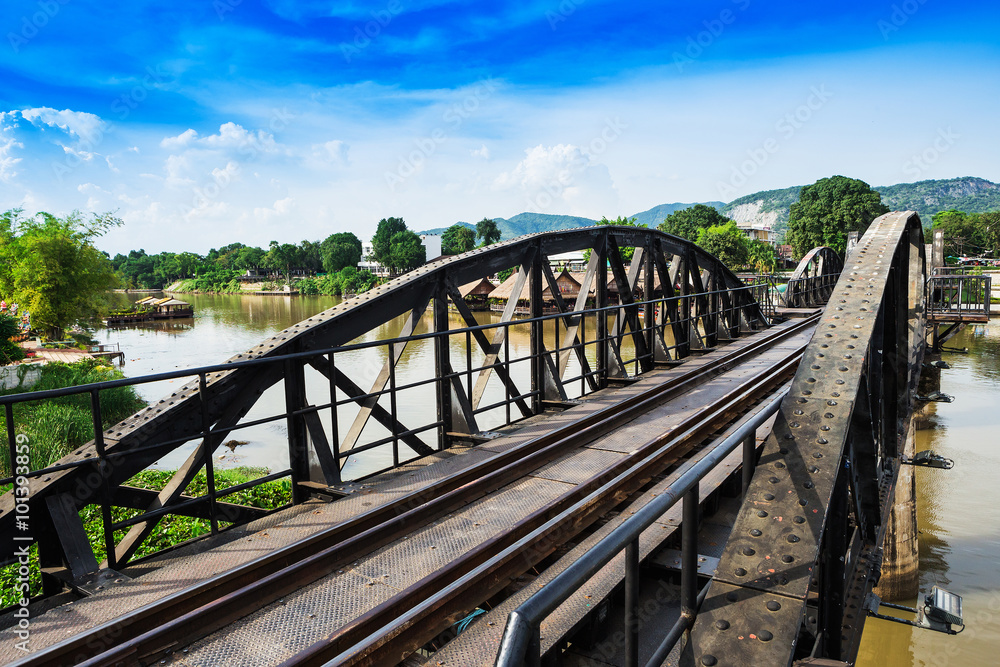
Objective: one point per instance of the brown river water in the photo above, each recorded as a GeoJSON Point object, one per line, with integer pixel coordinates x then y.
{"type": "Point", "coordinates": [958, 510]}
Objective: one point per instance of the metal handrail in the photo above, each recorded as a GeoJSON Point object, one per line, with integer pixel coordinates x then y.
{"type": "Point", "coordinates": [521, 642]}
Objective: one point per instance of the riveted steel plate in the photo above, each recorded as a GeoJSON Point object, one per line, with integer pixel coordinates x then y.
{"type": "Point", "coordinates": [742, 626]}
{"type": "Point", "coordinates": [776, 538]}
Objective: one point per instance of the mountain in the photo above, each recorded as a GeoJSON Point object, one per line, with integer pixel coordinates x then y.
{"type": "Point", "coordinates": [969, 194]}
{"type": "Point", "coordinates": [763, 209]}
{"type": "Point", "coordinates": [770, 207]}
{"type": "Point", "coordinates": [655, 215]}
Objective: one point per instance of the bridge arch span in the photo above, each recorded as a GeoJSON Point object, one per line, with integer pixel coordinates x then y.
{"type": "Point", "coordinates": [690, 301]}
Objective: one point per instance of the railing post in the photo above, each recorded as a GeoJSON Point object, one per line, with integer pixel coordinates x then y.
{"type": "Point", "coordinates": [632, 604]}
{"type": "Point", "coordinates": [749, 461]}
{"type": "Point", "coordinates": [689, 554]}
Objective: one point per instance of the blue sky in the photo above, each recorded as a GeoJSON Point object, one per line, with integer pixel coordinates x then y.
{"type": "Point", "coordinates": [211, 121]}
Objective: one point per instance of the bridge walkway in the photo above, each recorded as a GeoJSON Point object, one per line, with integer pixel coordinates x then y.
{"type": "Point", "coordinates": [282, 629]}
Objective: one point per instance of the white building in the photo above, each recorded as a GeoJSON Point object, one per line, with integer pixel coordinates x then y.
{"type": "Point", "coordinates": [432, 248]}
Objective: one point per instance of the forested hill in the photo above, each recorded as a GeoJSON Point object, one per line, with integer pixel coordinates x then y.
{"type": "Point", "coordinates": [770, 207]}
{"type": "Point", "coordinates": [972, 195]}
{"type": "Point", "coordinates": [969, 194]}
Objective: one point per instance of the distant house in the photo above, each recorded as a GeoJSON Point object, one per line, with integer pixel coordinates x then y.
{"type": "Point", "coordinates": [432, 248]}
{"type": "Point", "coordinates": [760, 233]}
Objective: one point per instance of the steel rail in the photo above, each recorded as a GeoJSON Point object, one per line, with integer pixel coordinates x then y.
{"type": "Point", "coordinates": [346, 541]}
{"type": "Point", "coordinates": [397, 627]}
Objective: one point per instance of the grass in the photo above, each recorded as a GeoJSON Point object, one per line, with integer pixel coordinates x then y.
{"type": "Point", "coordinates": [171, 530]}
{"type": "Point", "coordinates": [57, 426]}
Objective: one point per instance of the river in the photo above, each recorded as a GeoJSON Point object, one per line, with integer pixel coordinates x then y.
{"type": "Point", "coordinates": [958, 515]}
{"type": "Point", "coordinates": [958, 510]}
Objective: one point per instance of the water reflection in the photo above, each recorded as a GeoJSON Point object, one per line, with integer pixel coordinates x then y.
{"type": "Point", "coordinates": [958, 514]}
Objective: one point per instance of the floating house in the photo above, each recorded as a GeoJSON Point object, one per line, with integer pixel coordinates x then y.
{"type": "Point", "coordinates": [153, 308]}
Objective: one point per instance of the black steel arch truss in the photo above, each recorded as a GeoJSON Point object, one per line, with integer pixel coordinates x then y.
{"type": "Point", "coordinates": [806, 547]}
{"type": "Point", "coordinates": [702, 304]}
{"type": "Point", "coordinates": [813, 279]}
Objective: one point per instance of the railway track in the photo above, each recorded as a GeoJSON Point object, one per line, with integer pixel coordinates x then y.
{"type": "Point", "coordinates": [388, 632]}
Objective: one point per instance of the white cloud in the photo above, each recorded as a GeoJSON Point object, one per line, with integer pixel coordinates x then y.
{"type": "Point", "coordinates": [561, 179]}
{"type": "Point", "coordinates": [482, 152]}
{"type": "Point", "coordinates": [86, 127]}
{"type": "Point", "coordinates": [231, 137]}
{"type": "Point", "coordinates": [8, 162]}
{"type": "Point", "coordinates": [334, 151]}
{"type": "Point", "coordinates": [279, 210]}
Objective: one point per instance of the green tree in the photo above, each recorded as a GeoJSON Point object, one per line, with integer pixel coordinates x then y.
{"type": "Point", "coordinates": [830, 208]}
{"type": "Point", "coordinates": [457, 239]}
{"type": "Point", "coordinates": [727, 243]}
{"type": "Point", "coordinates": [963, 233]}
{"type": "Point", "coordinates": [50, 267]}
{"type": "Point", "coordinates": [487, 232]}
{"type": "Point", "coordinates": [340, 251]}
{"type": "Point", "coordinates": [382, 241]}
{"type": "Point", "coordinates": [761, 256]}
{"type": "Point", "coordinates": [249, 258]}
{"type": "Point", "coordinates": [687, 222]}
{"type": "Point", "coordinates": [407, 252]}
{"type": "Point", "coordinates": [310, 256]}
{"type": "Point", "coordinates": [9, 350]}
{"type": "Point", "coordinates": [282, 256]}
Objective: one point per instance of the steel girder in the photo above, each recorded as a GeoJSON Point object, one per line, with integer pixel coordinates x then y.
{"type": "Point", "coordinates": [226, 395]}
{"type": "Point", "coordinates": [805, 548]}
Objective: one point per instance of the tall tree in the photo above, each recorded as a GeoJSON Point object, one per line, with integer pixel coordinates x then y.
{"type": "Point", "coordinates": [687, 222]}
{"type": "Point", "coordinates": [407, 252]}
{"type": "Point", "coordinates": [457, 239]}
{"type": "Point", "coordinates": [382, 241]}
{"type": "Point", "coordinates": [963, 235]}
{"type": "Point", "coordinates": [727, 243]}
{"type": "Point", "coordinates": [339, 251]}
{"type": "Point", "coordinates": [282, 256]}
{"type": "Point", "coordinates": [50, 266]}
{"type": "Point", "coordinates": [487, 231]}
{"type": "Point", "coordinates": [830, 208]}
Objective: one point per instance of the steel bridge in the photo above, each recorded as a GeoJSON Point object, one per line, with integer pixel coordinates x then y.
{"type": "Point", "coordinates": [665, 321]}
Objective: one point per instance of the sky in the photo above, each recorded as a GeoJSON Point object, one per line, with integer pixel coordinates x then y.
{"type": "Point", "coordinates": [205, 122]}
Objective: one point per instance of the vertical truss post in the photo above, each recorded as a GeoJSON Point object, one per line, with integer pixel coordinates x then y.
{"type": "Point", "coordinates": [442, 364]}
{"type": "Point", "coordinates": [601, 301]}
{"type": "Point", "coordinates": [537, 337]}
{"type": "Point", "coordinates": [298, 443]}
{"type": "Point", "coordinates": [648, 311]}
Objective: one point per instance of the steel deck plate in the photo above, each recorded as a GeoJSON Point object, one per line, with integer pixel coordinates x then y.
{"type": "Point", "coordinates": [369, 581]}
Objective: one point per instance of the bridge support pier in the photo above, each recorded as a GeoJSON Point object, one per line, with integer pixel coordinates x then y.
{"type": "Point", "coordinates": [901, 565]}
{"type": "Point", "coordinates": [900, 568]}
